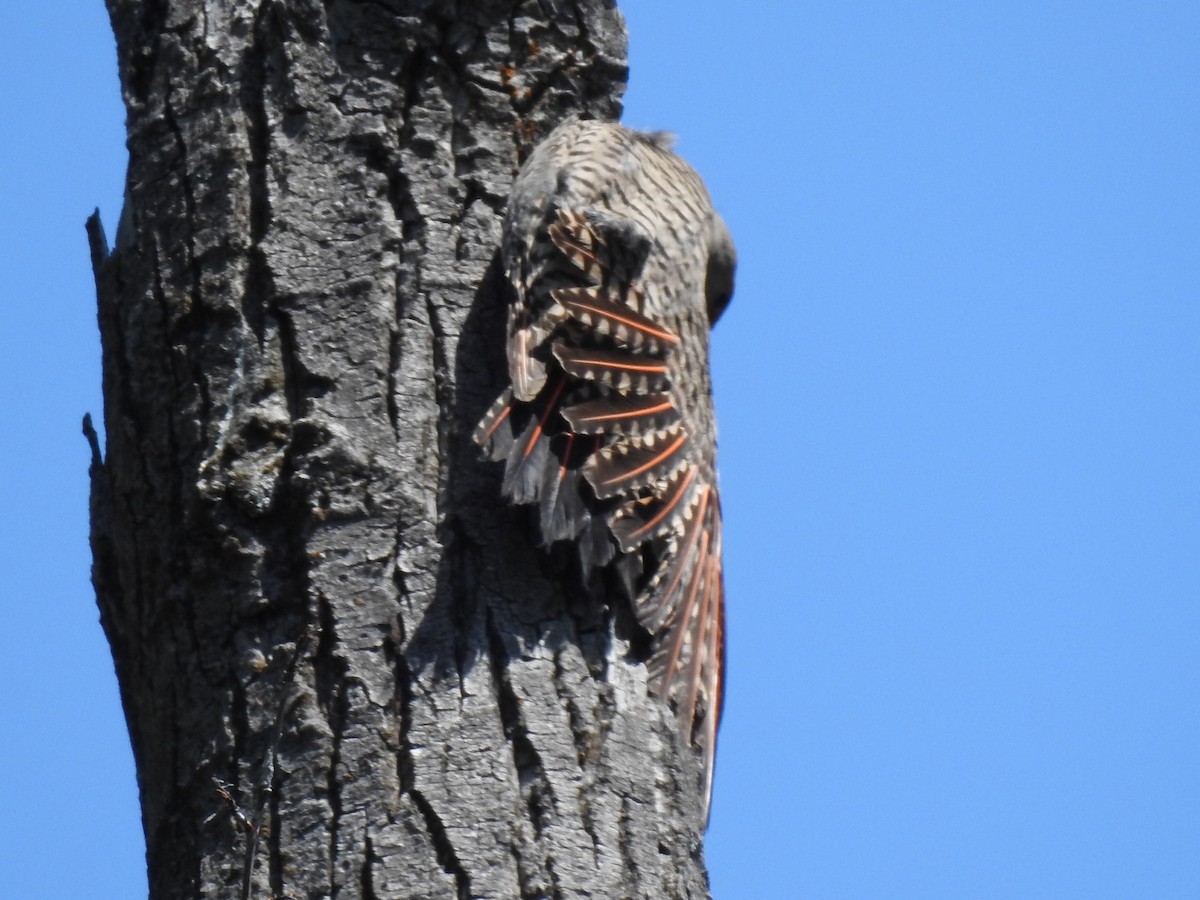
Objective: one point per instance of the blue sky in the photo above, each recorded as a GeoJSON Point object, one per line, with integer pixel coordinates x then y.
{"type": "Point", "coordinates": [958, 390]}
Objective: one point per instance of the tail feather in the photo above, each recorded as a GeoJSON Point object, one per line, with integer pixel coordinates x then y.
{"type": "Point", "coordinates": [688, 612]}
{"type": "Point", "coordinates": [672, 579]}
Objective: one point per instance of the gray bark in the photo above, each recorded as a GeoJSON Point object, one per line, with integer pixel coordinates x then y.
{"type": "Point", "coordinates": [346, 669]}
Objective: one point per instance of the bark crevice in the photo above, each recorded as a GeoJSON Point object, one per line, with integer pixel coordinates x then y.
{"type": "Point", "coordinates": [446, 856]}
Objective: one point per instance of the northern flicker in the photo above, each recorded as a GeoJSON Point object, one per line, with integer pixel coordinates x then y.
{"type": "Point", "coordinates": [618, 266]}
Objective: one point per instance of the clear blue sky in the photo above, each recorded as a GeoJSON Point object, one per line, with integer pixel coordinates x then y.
{"type": "Point", "coordinates": [959, 389]}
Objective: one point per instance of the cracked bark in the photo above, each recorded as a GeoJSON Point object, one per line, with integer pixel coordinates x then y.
{"type": "Point", "coordinates": [347, 671]}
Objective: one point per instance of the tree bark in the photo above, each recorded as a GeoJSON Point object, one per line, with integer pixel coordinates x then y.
{"type": "Point", "coordinates": [346, 669]}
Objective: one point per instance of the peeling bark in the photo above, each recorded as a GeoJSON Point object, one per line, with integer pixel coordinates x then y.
{"type": "Point", "coordinates": [347, 671]}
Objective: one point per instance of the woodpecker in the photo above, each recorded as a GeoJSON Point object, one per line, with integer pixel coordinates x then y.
{"type": "Point", "coordinates": [618, 266]}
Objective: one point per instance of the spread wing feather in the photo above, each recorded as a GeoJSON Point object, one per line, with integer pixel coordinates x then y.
{"type": "Point", "coordinates": [655, 516]}
{"type": "Point", "coordinates": [624, 466]}
{"type": "Point", "coordinates": [591, 431]}
{"type": "Point", "coordinates": [621, 370]}
{"type": "Point", "coordinates": [615, 319]}
{"type": "Point", "coordinates": [632, 415]}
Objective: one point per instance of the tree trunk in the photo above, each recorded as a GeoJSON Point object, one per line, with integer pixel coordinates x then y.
{"type": "Point", "coordinates": [346, 669]}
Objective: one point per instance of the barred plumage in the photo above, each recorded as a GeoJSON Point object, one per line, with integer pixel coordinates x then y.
{"type": "Point", "coordinates": [618, 266]}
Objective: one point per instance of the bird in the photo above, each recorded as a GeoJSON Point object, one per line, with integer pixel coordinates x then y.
{"type": "Point", "coordinates": [616, 268]}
